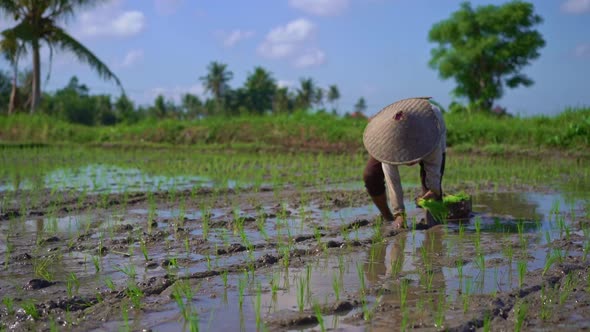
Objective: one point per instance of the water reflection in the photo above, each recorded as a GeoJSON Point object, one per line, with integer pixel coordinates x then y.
{"type": "Point", "coordinates": [407, 268]}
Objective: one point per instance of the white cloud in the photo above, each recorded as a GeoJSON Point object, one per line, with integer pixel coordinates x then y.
{"type": "Point", "coordinates": [576, 6]}
{"type": "Point", "coordinates": [175, 93]}
{"type": "Point", "coordinates": [167, 7]}
{"type": "Point", "coordinates": [282, 41]}
{"type": "Point", "coordinates": [320, 7]}
{"type": "Point", "coordinates": [132, 57]}
{"type": "Point", "coordinates": [110, 20]}
{"type": "Point", "coordinates": [232, 38]}
{"type": "Point", "coordinates": [582, 50]}
{"type": "Point", "coordinates": [285, 84]}
{"type": "Point", "coordinates": [310, 58]}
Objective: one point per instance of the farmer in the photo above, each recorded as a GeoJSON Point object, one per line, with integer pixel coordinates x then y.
{"type": "Point", "coordinates": [408, 132]}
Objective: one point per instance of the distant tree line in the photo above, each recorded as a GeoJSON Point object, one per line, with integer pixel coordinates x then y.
{"type": "Point", "coordinates": [484, 49]}
{"type": "Point", "coordinates": [260, 94]}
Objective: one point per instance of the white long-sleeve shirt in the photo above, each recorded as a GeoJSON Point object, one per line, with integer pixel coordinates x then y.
{"type": "Point", "coordinates": [432, 168]}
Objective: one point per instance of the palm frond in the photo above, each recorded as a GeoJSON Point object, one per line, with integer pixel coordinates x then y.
{"type": "Point", "coordinates": [63, 41]}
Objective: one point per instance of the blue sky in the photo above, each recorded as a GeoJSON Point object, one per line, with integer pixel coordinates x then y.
{"type": "Point", "coordinates": [377, 49]}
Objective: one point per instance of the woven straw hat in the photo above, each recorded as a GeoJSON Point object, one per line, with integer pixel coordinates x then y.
{"type": "Point", "coordinates": [403, 132]}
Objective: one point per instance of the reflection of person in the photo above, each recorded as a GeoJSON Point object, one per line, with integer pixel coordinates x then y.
{"type": "Point", "coordinates": [392, 265]}
{"type": "Point", "coordinates": [408, 132]}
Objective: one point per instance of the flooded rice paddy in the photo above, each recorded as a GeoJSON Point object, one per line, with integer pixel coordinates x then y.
{"type": "Point", "coordinates": [262, 243]}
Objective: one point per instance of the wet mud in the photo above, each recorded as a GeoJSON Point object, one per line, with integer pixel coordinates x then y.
{"type": "Point", "coordinates": [290, 259]}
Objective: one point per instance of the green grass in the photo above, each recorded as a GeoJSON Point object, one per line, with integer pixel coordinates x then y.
{"type": "Point", "coordinates": [482, 132]}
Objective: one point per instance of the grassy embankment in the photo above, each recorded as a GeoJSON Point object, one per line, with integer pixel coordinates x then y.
{"type": "Point", "coordinates": [567, 131]}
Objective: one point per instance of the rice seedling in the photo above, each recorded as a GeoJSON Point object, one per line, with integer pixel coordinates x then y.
{"type": "Point", "coordinates": [241, 288]}
{"type": "Point", "coordinates": [480, 261]}
{"type": "Point", "coordinates": [144, 250]}
{"type": "Point", "coordinates": [336, 285]}
{"type": "Point", "coordinates": [439, 316]}
{"type": "Point", "coordinates": [318, 314]}
{"type": "Point", "coordinates": [566, 288]}
{"type": "Point", "coordinates": [135, 294]}
{"type": "Point", "coordinates": [466, 294]}
{"type": "Point", "coordinates": [30, 309]}
{"type": "Point", "coordinates": [301, 287]}
{"type": "Point", "coordinates": [96, 261]}
{"type": "Point", "coordinates": [522, 269]}
{"type": "Point", "coordinates": [125, 316]}
{"type": "Point", "coordinates": [128, 270]}
{"type": "Point", "coordinates": [40, 268]}
{"type": "Point", "coordinates": [258, 307]}
{"type": "Point", "coordinates": [403, 294]}
{"type": "Point", "coordinates": [546, 310]}
{"type": "Point", "coordinates": [9, 303]}
{"type": "Point", "coordinates": [361, 276]}
{"type": "Point", "coordinates": [109, 283]}
{"type": "Point", "coordinates": [72, 284]}
{"type": "Point", "coordinates": [520, 310]}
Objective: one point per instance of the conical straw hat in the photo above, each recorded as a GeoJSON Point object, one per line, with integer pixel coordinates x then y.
{"type": "Point", "coordinates": [403, 132]}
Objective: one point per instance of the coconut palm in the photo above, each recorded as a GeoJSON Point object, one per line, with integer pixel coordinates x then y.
{"type": "Point", "coordinates": [12, 49]}
{"type": "Point", "coordinates": [216, 81]}
{"type": "Point", "coordinates": [333, 95]}
{"type": "Point", "coordinates": [306, 92]}
{"type": "Point", "coordinates": [37, 22]}
{"type": "Point", "coordinates": [360, 106]}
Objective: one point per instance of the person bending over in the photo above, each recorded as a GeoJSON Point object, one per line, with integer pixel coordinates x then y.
{"type": "Point", "coordinates": [407, 132]}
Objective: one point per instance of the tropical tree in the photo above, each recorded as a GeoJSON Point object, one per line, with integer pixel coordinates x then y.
{"type": "Point", "coordinates": [13, 49]}
{"type": "Point", "coordinates": [37, 22]}
{"type": "Point", "coordinates": [360, 106]}
{"type": "Point", "coordinates": [191, 106]}
{"type": "Point", "coordinates": [282, 101]}
{"type": "Point", "coordinates": [260, 89]}
{"type": "Point", "coordinates": [318, 97]}
{"type": "Point", "coordinates": [124, 109]}
{"type": "Point", "coordinates": [485, 48]}
{"type": "Point", "coordinates": [216, 81]}
{"type": "Point", "coordinates": [5, 82]}
{"type": "Point", "coordinates": [306, 93]}
{"type": "Point", "coordinates": [333, 95]}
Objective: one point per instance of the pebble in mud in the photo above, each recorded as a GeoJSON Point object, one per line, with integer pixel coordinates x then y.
{"type": "Point", "coordinates": [34, 284]}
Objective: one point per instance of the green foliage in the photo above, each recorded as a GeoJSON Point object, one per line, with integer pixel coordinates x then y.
{"type": "Point", "coordinates": [39, 22]}
{"type": "Point", "coordinates": [306, 130]}
{"type": "Point", "coordinates": [5, 87]}
{"type": "Point", "coordinates": [486, 48]}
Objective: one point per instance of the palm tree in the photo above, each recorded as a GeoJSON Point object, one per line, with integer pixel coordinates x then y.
{"type": "Point", "coordinates": [216, 81]}
{"type": "Point", "coordinates": [318, 98]}
{"type": "Point", "coordinates": [260, 89]}
{"type": "Point", "coordinates": [333, 95]}
{"type": "Point", "coordinates": [360, 106]}
{"type": "Point", "coordinates": [191, 106]}
{"type": "Point", "coordinates": [13, 49]}
{"type": "Point", "coordinates": [38, 22]}
{"type": "Point", "coordinates": [282, 101]}
{"type": "Point", "coordinates": [306, 92]}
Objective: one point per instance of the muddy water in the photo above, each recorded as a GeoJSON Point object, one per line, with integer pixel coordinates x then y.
{"type": "Point", "coordinates": [99, 178]}
{"type": "Point", "coordinates": [281, 258]}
